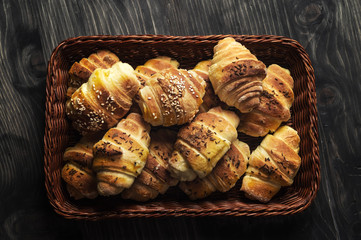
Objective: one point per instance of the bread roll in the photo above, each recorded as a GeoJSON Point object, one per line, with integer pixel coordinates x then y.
{"type": "Point", "coordinates": [171, 97]}
{"type": "Point", "coordinates": [272, 165]}
{"type": "Point", "coordinates": [236, 75]}
{"type": "Point", "coordinates": [80, 72]}
{"type": "Point", "coordinates": [101, 102]}
{"type": "Point", "coordinates": [121, 155]}
{"type": "Point", "coordinates": [224, 176]}
{"type": "Point", "coordinates": [77, 172]}
{"type": "Point", "coordinates": [155, 177]}
{"type": "Point", "coordinates": [275, 103]}
{"type": "Point", "coordinates": [202, 143]}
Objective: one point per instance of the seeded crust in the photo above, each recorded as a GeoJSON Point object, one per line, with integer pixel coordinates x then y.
{"type": "Point", "coordinates": [81, 153]}
{"type": "Point", "coordinates": [202, 143]}
{"type": "Point", "coordinates": [206, 142]}
{"type": "Point", "coordinates": [224, 176]}
{"type": "Point", "coordinates": [152, 66]}
{"type": "Point", "coordinates": [77, 171]}
{"type": "Point", "coordinates": [121, 155]}
{"type": "Point", "coordinates": [101, 102]}
{"type": "Point", "coordinates": [236, 75]}
{"type": "Point", "coordinates": [144, 74]}
{"type": "Point", "coordinates": [80, 71]}
{"type": "Point", "coordinates": [155, 177]}
{"type": "Point", "coordinates": [231, 167]}
{"type": "Point", "coordinates": [272, 165]}
{"type": "Point", "coordinates": [275, 103]}
{"type": "Point", "coordinates": [80, 179]}
{"type": "Point", "coordinates": [171, 97]}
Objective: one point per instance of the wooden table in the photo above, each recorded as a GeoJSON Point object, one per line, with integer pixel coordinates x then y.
{"type": "Point", "coordinates": [330, 31]}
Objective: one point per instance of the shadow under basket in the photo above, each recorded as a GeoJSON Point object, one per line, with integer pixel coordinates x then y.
{"type": "Point", "coordinates": [188, 50]}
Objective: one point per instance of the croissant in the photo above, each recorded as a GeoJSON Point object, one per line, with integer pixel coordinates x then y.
{"type": "Point", "coordinates": [275, 103]}
{"type": "Point", "coordinates": [171, 97]}
{"type": "Point", "coordinates": [202, 143]}
{"type": "Point", "coordinates": [272, 165]}
{"type": "Point", "coordinates": [152, 66]}
{"type": "Point", "coordinates": [224, 176]}
{"type": "Point", "coordinates": [80, 71]}
{"type": "Point", "coordinates": [155, 177]}
{"type": "Point", "coordinates": [101, 102]}
{"type": "Point", "coordinates": [77, 172]}
{"type": "Point", "coordinates": [236, 75]}
{"type": "Point", "coordinates": [210, 99]}
{"type": "Point", "coordinates": [121, 155]}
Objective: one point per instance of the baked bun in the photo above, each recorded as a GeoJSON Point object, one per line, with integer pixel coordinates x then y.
{"type": "Point", "coordinates": [236, 75]}
{"type": "Point", "coordinates": [155, 178]}
{"type": "Point", "coordinates": [202, 143]}
{"type": "Point", "coordinates": [275, 103]}
{"type": "Point", "coordinates": [273, 164]}
{"type": "Point", "coordinates": [121, 155]}
{"type": "Point", "coordinates": [80, 72]}
{"type": "Point", "coordinates": [171, 97]}
{"type": "Point", "coordinates": [224, 176]}
{"type": "Point", "coordinates": [101, 102]}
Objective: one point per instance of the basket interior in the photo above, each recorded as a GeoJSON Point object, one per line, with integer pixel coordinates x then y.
{"type": "Point", "coordinates": [188, 51]}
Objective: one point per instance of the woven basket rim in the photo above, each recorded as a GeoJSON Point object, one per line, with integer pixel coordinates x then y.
{"type": "Point", "coordinates": [251, 209]}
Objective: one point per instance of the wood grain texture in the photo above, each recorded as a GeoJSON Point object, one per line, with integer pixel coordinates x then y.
{"type": "Point", "coordinates": [330, 31]}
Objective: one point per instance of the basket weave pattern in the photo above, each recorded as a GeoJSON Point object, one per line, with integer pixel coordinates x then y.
{"type": "Point", "coordinates": [188, 50]}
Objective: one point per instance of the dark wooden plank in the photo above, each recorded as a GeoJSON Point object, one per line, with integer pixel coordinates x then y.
{"type": "Point", "coordinates": [329, 30]}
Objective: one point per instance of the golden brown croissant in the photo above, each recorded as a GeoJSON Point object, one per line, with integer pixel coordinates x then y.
{"type": "Point", "coordinates": [202, 143]}
{"type": "Point", "coordinates": [224, 175]}
{"type": "Point", "coordinates": [77, 172]}
{"type": "Point", "coordinates": [101, 102]}
{"type": "Point", "coordinates": [121, 155]}
{"type": "Point", "coordinates": [171, 97]}
{"type": "Point", "coordinates": [80, 71]}
{"type": "Point", "coordinates": [236, 75]}
{"type": "Point", "coordinates": [275, 103]}
{"type": "Point", "coordinates": [272, 164]}
{"type": "Point", "coordinates": [152, 66]}
{"type": "Point", "coordinates": [155, 177]}
{"type": "Point", "coordinates": [210, 99]}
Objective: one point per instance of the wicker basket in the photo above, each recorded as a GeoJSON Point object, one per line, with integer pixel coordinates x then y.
{"type": "Point", "coordinates": [188, 50]}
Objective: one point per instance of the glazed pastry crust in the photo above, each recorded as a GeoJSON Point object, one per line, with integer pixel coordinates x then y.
{"type": "Point", "coordinates": [272, 165]}
{"type": "Point", "coordinates": [224, 176]}
{"type": "Point", "coordinates": [210, 99]}
{"type": "Point", "coordinates": [101, 102]}
{"type": "Point", "coordinates": [121, 155]}
{"type": "Point", "coordinates": [152, 66]}
{"type": "Point", "coordinates": [236, 75]}
{"type": "Point", "coordinates": [275, 103]}
{"type": "Point", "coordinates": [81, 180]}
{"type": "Point", "coordinates": [80, 71]}
{"type": "Point", "coordinates": [171, 97]}
{"type": "Point", "coordinates": [77, 172]}
{"type": "Point", "coordinates": [202, 143]}
{"type": "Point", "coordinates": [155, 178]}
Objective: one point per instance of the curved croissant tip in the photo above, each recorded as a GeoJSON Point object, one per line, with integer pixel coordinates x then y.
{"type": "Point", "coordinates": [105, 189]}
